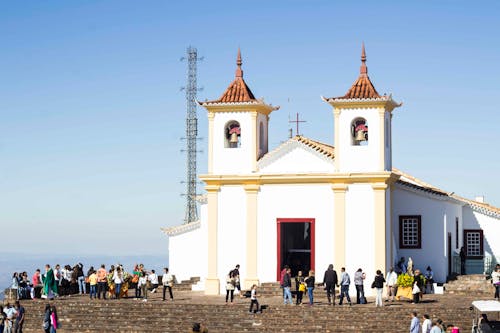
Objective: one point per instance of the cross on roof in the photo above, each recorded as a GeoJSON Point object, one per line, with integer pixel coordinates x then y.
{"type": "Point", "coordinates": [297, 121]}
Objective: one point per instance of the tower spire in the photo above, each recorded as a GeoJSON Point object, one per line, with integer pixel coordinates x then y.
{"type": "Point", "coordinates": [239, 71]}
{"type": "Point", "coordinates": [363, 70]}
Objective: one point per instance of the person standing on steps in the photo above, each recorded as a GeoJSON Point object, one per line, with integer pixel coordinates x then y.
{"type": "Point", "coordinates": [427, 324]}
{"type": "Point", "coordinates": [82, 286]}
{"type": "Point", "coordinates": [236, 275]}
{"type": "Point", "coordinates": [309, 280]}
{"type": "Point", "coordinates": [463, 256]}
{"type": "Point", "coordinates": [93, 284]}
{"type": "Point", "coordinates": [418, 286]}
{"type": "Point", "coordinates": [345, 282]}
{"type": "Point", "coordinates": [102, 282]}
{"type": "Point", "coordinates": [359, 277]}
{"type": "Point", "coordinates": [287, 286]}
{"type": "Point", "coordinates": [168, 282]}
{"type": "Point", "coordinates": [253, 299]}
{"type": "Point", "coordinates": [18, 325]}
{"type": "Point", "coordinates": [378, 283]}
{"type": "Point", "coordinates": [54, 320]}
{"type": "Point", "coordinates": [153, 278]}
{"type": "Point", "coordinates": [118, 280]}
{"type": "Point", "coordinates": [330, 280]}
{"type": "Point", "coordinates": [300, 287]}
{"type": "Point", "coordinates": [415, 323]}
{"type": "Point", "coordinates": [392, 279]}
{"type": "Point", "coordinates": [46, 319]}
{"type": "Point", "coordinates": [142, 284]}
{"type": "Point", "coordinates": [230, 287]}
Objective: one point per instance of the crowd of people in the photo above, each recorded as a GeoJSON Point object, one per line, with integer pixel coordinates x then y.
{"type": "Point", "coordinates": [97, 283]}
{"type": "Point", "coordinates": [115, 283]}
{"type": "Point", "coordinates": [331, 280]}
{"type": "Point", "coordinates": [12, 318]}
{"type": "Point", "coordinates": [430, 326]}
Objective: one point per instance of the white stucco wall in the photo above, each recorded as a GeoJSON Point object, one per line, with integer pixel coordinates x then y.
{"type": "Point", "coordinates": [294, 201]}
{"type": "Point", "coordinates": [233, 160]}
{"type": "Point", "coordinates": [294, 158]}
{"type": "Point", "coordinates": [186, 252]}
{"type": "Point", "coordinates": [231, 232]}
{"type": "Point", "coordinates": [438, 218]}
{"type": "Point", "coordinates": [360, 231]}
{"type": "Point", "coordinates": [359, 158]}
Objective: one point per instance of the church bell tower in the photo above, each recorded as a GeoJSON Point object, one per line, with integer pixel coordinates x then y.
{"type": "Point", "coordinates": [237, 128]}
{"type": "Point", "coordinates": [363, 126]}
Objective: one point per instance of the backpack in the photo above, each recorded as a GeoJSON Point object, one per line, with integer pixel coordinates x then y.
{"type": "Point", "coordinates": [282, 277]}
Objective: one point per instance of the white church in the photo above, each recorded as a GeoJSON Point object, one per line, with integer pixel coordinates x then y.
{"type": "Point", "coordinates": [309, 204]}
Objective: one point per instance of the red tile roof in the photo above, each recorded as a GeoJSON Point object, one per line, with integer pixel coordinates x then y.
{"type": "Point", "coordinates": [323, 148]}
{"type": "Point", "coordinates": [238, 91]}
{"type": "Point", "coordinates": [362, 88]}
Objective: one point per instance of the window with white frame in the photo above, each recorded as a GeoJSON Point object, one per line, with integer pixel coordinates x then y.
{"type": "Point", "coordinates": [410, 232]}
{"type": "Point", "coordinates": [474, 243]}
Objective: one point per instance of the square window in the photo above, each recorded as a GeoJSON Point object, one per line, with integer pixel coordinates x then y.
{"type": "Point", "coordinates": [473, 243]}
{"type": "Point", "coordinates": [410, 232]}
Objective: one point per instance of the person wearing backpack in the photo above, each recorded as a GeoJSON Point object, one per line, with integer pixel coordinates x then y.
{"type": "Point", "coordinates": [359, 277]}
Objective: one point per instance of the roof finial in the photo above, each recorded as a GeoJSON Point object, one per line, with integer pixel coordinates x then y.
{"type": "Point", "coordinates": [239, 71]}
{"type": "Point", "coordinates": [363, 70]}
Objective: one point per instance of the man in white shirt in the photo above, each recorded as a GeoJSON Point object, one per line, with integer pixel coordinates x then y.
{"type": "Point", "coordinates": [153, 278]}
{"type": "Point", "coordinates": [391, 281]}
{"type": "Point", "coordinates": [168, 282]}
{"type": "Point", "coordinates": [10, 313]}
{"type": "Point", "coordinates": [427, 324]}
{"type": "Point", "coordinates": [57, 274]}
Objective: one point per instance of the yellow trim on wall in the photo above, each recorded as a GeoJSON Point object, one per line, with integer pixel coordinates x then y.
{"type": "Point", "coordinates": [339, 194]}
{"type": "Point", "coordinates": [323, 178]}
{"type": "Point", "coordinates": [380, 253]}
{"type": "Point", "coordinates": [212, 285]}
{"type": "Point", "coordinates": [251, 232]}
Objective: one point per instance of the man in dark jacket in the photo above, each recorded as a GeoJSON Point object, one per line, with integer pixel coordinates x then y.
{"type": "Point", "coordinates": [330, 280]}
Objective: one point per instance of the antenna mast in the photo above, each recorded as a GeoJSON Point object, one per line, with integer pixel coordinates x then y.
{"type": "Point", "coordinates": [191, 136]}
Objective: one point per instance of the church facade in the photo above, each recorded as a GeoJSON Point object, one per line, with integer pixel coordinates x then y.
{"type": "Point", "coordinates": [308, 204]}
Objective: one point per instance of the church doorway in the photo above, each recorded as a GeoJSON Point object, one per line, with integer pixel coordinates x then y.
{"type": "Point", "coordinates": [295, 245]}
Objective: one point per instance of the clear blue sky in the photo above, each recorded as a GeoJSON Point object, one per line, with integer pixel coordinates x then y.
{"type": "Point", "coordinates": [91, 113]}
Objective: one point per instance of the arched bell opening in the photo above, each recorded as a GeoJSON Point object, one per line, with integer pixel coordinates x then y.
{"type": "Point", "coordinates": [359, 132]}
{"type": "Point", "coordinates": [232, 134]}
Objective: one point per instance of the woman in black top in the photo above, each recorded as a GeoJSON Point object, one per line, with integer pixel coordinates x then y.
{"type": "Point", "coordinates": [310, 286]}
{"type": "Point", "coordinates": [378, 283]}
{"type": "Point", "coordinates": [419, 282]}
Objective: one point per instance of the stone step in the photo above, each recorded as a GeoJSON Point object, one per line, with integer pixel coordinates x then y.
{"type": "Point", "coordinates": [466, 284]}
{"type": "Point", "coordinates": [78, 314]}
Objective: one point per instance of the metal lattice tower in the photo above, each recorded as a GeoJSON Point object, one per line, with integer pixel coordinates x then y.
{"type": "Point", "coordinates": [191, 136]}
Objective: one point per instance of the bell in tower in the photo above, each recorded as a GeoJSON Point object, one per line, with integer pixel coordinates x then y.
{"type": "Point", "coordinates": [360, 131]}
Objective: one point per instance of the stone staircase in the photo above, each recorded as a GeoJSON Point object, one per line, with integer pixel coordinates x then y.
{"type": "Point", "coordinates": [186, 285]}
{"type": "Point", "coordinates": [470, 284]}
{"type": "Point", "coordinates": [80, 314]}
